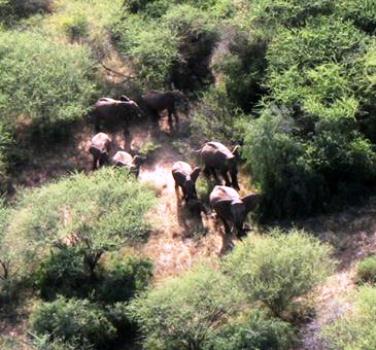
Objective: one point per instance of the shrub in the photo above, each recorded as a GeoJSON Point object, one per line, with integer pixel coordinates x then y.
{"type": "Point", "coordinates": [357, 329]}
{"type": "Point", "coordinates": [124, 278]}
{"type": "Point", "coordinates": [56, 88]}
{"type": "Point", "coordinates": [254, 330]}
{"type": "Point", "coordinates": [366, 270]}
{"type": "Point", "coordinates": [196, 35]}
{"type": "Point", "coordinates": [184, 312]}
{"type": "Point", "coordinates": [63, 272]}
{"type": "Point", "coordinates": [73, 321]}
{"type": "Point", "coordinates": [270, 14]}
{"type": "Point", "coordinates": [361, 12]}
{"type": "Point", "coordinates": [152, 47]}
{"type": "Point", "coordinates": [10, 10]}
{"type": "Point", "coordinates": [278, 268]}
{"type": "Point", "coordinates": [94, 213]}
{"type": "Point", "coordinates": [213, 117]}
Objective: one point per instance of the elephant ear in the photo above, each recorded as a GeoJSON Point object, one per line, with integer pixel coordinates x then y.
{"type": "Point", "coordinates": [195, 173]}
{"type": "Point", "coordinates": [251, 201]}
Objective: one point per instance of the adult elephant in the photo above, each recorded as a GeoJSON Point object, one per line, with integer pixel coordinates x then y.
{"type": "Point", "coordinates": [217, 157]}
{"type": "Point", "coordinates": [231, 208]}
{"type": "Point", "coordinates": [100, 147]}
{"type": "Point", "coordinates": [156, 102]}
{"type": "Point", "coordinates": [108, 111]}
{"type": "Point", "coordinates": [124, 159]}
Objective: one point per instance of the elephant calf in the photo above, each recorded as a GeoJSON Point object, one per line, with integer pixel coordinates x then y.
{"type": "Point", "coordinates": [232, 209]}
{"type": "Point", "coordinates": [185, 177]}
{"type": "Point", "coordinates": [217, 156]}
{"type": "Point", "coordinates": [124, 159]}
{"type": "Point", "coordinates": [100, 148]}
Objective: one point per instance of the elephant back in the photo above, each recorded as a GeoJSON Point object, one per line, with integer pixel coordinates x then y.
{"type": "Point", "coordinates": [122, 158]}
{"type": "Point", "coordinates": [101, 142]}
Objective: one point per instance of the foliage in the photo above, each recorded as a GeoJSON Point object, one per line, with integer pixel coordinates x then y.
{"type": "Point", "coordinates": [357, 329]}
{"type": "Point", "coordinates": [73, 321]}
{"type": "Point", "coordinates": [152, 48]}
{"type": "Point", "coordinates": [278, 268]}
{"type": "Point", "coordinates": [124, 278]}
{"type": "Point", "coordinates": [184, 312]}
{"type": "Point", "coordinates": [94, 213]}
{"type": "Point", "coordinates": [213, 117]}
{"type": "Point", "coordinates": [55, 89]}
{"type": "Point", "coordinates": [254, 331]}
{"type": "Point", "coordinates": [196, 37]}
{"type": "Point", "coordinates": [10, 10]}
{"type": "Point", "coordinates": [366, 270]}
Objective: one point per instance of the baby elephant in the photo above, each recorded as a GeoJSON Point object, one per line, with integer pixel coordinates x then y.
{"type": "Point", "coordinates": [185, 177]}
{"type": "Point", "coordinates": [124, 159]}
{"type": "Point", "coordinates": [217, 157]}
{"type": "Point", "coordinates": [100, 148]}
{"type": "Point", "coordinates": [232, 209]}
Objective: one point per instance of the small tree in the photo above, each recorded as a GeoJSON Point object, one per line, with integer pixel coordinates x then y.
{"type": "Point", "coordinates": [278, 268]}
{"type": "Point", "coordinates": [91, 214]}
{"type": "Point", "coordinates": [184, 312]}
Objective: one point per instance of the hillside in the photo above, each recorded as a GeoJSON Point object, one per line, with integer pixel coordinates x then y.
{"type": "Point", "coordinates": [109, 241]}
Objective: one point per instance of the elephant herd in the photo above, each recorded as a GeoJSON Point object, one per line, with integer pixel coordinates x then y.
{"type": "Point", "coordinates": [217, 159]}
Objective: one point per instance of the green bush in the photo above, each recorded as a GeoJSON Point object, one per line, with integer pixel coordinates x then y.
{"type": "Point", "coordinates": [63, 272]}
{"type": "Point", "coordinates": [94, 213]}
{"type": "Point", "coordinates": [184, 312]}
{"type": "Point", "coordinates": [278, 268]}
{"type": "Point", "coordinates": [254, 331]}
{"type": "Point", "coordinates": [270, 14]}
{"type": "Point", "coordinates": [73, 321]}
{"type": "Point", "coordinates": [356, 329]}
{"type": "Point", "coordinates": [124, 278]}
{"type": "Point", "coordinates": [197, 36]}
{"type": "Point", "coordinates": [366, 270]}
{"type": "Point", "coordinates": [152, 47]}
{"type": "Point", "coordinates": [213, 117]}
{"type": "Point", "coordinates": [361, 12]}
{"type": "Point", "coordinates": [55, 89]}
{"type": "Point", "coordinates": [10, 10]}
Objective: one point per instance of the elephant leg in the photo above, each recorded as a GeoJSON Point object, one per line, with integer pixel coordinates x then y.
{"type": "Point", "coordinates": [170, 122]}
{"type": "Point", "coordinates": [177, 193]}
{"type": "Point", "coordinates": [95, 162]}
{"type": "Point", "coordinates": [214, 173]}
{"type": "Point", "coordinates": [226, 178]}
{"type": "Point", "coordinates": [207, 171]}
{"type": "Point", "coordinates": [226, 225]}
{"type": "Point", "coordinates": [176, 116]}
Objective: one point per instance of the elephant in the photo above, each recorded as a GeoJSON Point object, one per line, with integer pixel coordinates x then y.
{"type": "Point", "coordinates": [108, 110]}
{"type": "Point", "coordinates": [217, 156]}
{"type": "Point", "coordinates": [124, 159]}
{"type": "Point", "coordinates": [100, 147]}
{"type": "Point", "coordinates": [185, 177]}
{"type": "Point", "coordinates": [231, 208]}
{"type": "Point", "coordinates": [156, 102]}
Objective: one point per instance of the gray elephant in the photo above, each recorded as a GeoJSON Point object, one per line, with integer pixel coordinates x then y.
{"type": "Point", "coordinates": [185, 177]}
{"type": "Point", "coordinates": [110, 111]}
{"type": "Point", "coordinates": [217, 156]}
{"type": "Point", "coordinates": [231, 208]}
{"type": "Point", "coordinates": [156, 102]}
{"type": "Point", "coordinates": [100, 147]}
{"type": "Point", "coordinates": [124, 159]}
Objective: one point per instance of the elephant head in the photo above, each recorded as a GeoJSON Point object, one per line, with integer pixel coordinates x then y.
{"type": "Point", "coordinates": [124, 159]}
{"type": "Point", "coordinates": [185, 177]}
{"type": "Point", "coordinates": [232, 208]}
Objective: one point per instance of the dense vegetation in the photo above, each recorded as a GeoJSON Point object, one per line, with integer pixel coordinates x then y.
{"type": "Point", "coordinates": [292, 81]}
